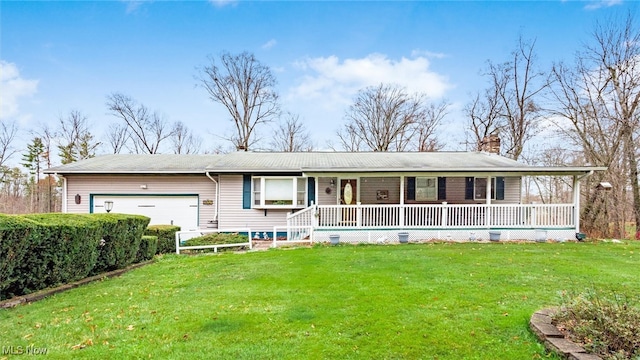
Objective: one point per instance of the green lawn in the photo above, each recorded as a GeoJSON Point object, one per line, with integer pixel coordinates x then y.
{"type": "Point", "coordinates": [417, 301]}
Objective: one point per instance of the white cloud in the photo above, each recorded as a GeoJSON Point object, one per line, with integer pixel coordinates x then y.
{"type": "Point", "coordinates": [329, 80]}
{"type": "Point", "coordinates": [134, 5]}
{"type": "Point", "coordinates": [598, 4]}
{"type": "Point", "coordinates": [222, 3]}
{"type": "Point", "coordinates": [269, 44]}
{"type": "Point", "coordinates": [428, 54]}
{"type": "Point", "coordinates": [12, 89]}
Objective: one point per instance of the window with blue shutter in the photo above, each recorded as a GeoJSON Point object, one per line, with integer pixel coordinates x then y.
{"type": "Point", "coordinates": [500, 188]}
{"type": "Point", "coordinates": [311, 190]}
{"type": "Point", "coordinates": [411, 188]}
{"type": "Point", "coordinates": [246, 191]}
{"type": "Point", "coordinates": [468, 188]}
{"type": "Point", "coordinates": [442, 188]}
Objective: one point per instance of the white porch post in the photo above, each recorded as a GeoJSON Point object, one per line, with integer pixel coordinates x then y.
{"type": "Point", "coordinates": [317, 185]}
{"type": "Point", "coordinates": [576, 202]}
{"type": "Point", "coordinates": [65, 206]}
{"type": "Point", "coordinates": [401, 215]}
{"type": "Point", "coordinates": [488, 202]}
{"type": "Point", "coordinates": [402, 190]}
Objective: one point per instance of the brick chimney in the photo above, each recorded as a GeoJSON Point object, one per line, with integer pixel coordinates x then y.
{"type": "Point", "coordinates": [491, 144]}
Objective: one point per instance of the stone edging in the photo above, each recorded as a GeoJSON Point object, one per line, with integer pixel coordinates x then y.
{"type": "Point", "coordinates": [39, 295]}
{"type": "Point", "coordinates": [554, 340]}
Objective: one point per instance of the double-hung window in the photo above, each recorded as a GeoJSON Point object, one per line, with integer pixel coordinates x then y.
{"type": "Point", "coordinates": [426, 188]}
{"type": "Point", "coordinates": [480, 191]}
{"type": "Point", "coordinates": [287, 192]}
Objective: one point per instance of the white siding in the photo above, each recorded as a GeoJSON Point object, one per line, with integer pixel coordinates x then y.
{"type": "Point", "coordinates": [232, 215]}
{"type": "Point", "coordinates": [87, 185]}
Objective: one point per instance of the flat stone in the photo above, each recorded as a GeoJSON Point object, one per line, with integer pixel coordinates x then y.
{"type": "Point", "coordinates": [12, 303]}
{"type": "Point", "coordinates": [547, 311]}
{"type": "Point", "coordinates": [563, 346]}
{"type": "Point", "coordinates": [583, 356]}
{"type": "Point", "coordinates": [541, 318]}
{"type": "Point", "coordinates": [544, 330]}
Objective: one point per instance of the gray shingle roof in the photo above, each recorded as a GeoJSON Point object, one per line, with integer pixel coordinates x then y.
{"type": "Point", "coordinates": [309, 162]}
{"type": "Point", "coordinates": [139, 164]}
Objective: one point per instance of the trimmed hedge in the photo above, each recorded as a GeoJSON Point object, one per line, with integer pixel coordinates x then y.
{"type": "Point", "coordinates": [148, 247]}
{"type": "Point", "coordinates": [14, 245]}
{"type": "Point", "coordinates": [43, 250]}
{"type": "Point", "coordinates": [62, 249]}
{"type": "Point", "coordinates": [121, 240]}
{"type": "Point", "coordinates": [166, 237]}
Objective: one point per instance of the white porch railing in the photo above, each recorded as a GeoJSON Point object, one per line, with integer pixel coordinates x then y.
{"type": "Point", "coordinates": [436, 216]}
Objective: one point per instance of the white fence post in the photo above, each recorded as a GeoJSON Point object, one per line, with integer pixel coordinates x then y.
{"type": "Point", "coordinates": [444, 215]}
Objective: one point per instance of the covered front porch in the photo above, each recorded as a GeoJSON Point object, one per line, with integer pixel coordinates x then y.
{"type": "Point", "coordinates": [370, 223]}
{"type": "Point", "coordinates": [428, 206]}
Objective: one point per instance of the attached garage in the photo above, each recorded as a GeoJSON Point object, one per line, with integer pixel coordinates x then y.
{"type": "Point", "coordinates": [180, 210]}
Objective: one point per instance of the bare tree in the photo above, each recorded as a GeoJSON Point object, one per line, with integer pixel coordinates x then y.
{"type": "Point", "coordinates": [517, 86]}
{"type": "Point", "coordinates": [426, 129]}
{"type": "Point", "coordinates": [600, 98]}
{"type": "Point", "coordinates": [184, 141]}
{"type": "Point", "coordinates": [387, 118]}
{"type": "Point", "coordinates": [8, 132]}
{"type": "Point", "coordinates": [484, 117]}
{"type": "Point", "coordinates": [75, 141]}
{"type": "Point", "coordinates": [291, 135]}
{"type": "Point", "coordinates": [117, 137]}
{"type": "Point", "coordinates": [146, 130]}
{"type": "Point", "coordinates": [246, 89]}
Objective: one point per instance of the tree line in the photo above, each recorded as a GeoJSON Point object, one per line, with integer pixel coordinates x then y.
{"type": "Point", "coordinates": [591, 103]}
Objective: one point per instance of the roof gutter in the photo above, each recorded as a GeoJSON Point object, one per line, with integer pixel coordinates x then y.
{"type": "Point", "coordinates": [215, 214]}
{"type": "Point", "coordinates": [584, 176]}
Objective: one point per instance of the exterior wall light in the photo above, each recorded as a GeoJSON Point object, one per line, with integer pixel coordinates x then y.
{"type": "Point", "coordinates": [78, 198]}
{"type": "Point", "coordinates": [108, 206]}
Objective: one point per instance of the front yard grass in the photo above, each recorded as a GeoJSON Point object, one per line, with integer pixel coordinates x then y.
{"type": "Point", "coordinates": [416, 301]}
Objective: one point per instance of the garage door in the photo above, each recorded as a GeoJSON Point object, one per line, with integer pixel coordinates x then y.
{"type": "Point", "coordinates": [178, 210]}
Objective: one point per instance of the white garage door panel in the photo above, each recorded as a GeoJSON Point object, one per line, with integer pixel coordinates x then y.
{"type": "Point", "coordinates": [177, 210]}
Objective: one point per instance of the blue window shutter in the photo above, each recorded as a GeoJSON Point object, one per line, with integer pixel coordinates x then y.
{"type": "Point", "coordinates": [411, 188]}
{"type": "Point", "coordinates": [468, 188]}
{"type": "Point", "coordinates": [246, 191]}
{"type": "Point", "coordinates": [311, 190]}
{"type": "Point", "coordinates": [500, 188]}
{"type": "Point", "coordinates": [442, 188]}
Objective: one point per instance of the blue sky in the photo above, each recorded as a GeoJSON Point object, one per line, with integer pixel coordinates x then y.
{"type": "Point", "coordinates": [61, 56]}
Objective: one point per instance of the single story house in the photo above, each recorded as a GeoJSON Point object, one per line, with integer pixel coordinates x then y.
{"type": "Point", "coordinates": [363, 196]}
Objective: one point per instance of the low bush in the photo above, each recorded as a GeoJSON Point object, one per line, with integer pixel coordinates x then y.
{"type": "Point", "coordinates": [166, 237]}
{"type": "Point", "coordinates": [148, 247]}
{"type": "Point", "coordinates": [217, 239]}
{"type": "Point", "coordinates": [605, 324]}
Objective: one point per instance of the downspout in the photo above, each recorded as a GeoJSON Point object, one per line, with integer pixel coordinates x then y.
{"type": "Point", "coordinates": [215, 214]}
{"type": "Point", "coordinates": [576, 198]}
{"type": "Point", "coordinates": [65, 207]}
